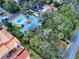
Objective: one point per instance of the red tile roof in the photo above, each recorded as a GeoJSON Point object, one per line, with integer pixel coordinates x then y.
{"type": "Point", "coordinates": [24, 55]}
{"type": "Point", "coordinates": [8, 42]}
{"type": "Point", "coordinates": [3, 50]}
{"type": "Point", "coordinates": [5, 36]}
{"type": "Point", "coordinates": [50, 7]}
{"type": "Point", "coordinates": [12, 43]}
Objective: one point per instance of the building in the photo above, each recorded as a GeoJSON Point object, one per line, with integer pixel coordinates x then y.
{"type": "Point", "coordinates": [17, 19]}
{"type": "Point", "coordinates": [10, 47]}
{"type": "Point", "coordinates": [47, 8]}
{"type": "Point", "coordinates": [35, 20]}
{"type": "Point", "coordinates": [42, 8]}
{"type": "Point", "coordinates": [32, 25]}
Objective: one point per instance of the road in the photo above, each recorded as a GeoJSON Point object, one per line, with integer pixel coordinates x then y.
{"type": "Point", "coordinates": [74, 47]}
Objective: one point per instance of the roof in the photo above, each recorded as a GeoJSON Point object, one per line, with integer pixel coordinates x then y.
{"type": "Point", "coordinates": [44, 8]}
{"type": "Point", "coordinates": [3, 50]}
{"type": "Point", "coordinates": [34, 22]}
{"type": "Point", "coordinates": [13, 43]}
{"type": "Point", "coordinates": [28, 27]}
{"type": "Point", "coordinates": [33, 19]}
{"type": "Point", "coordinates": [8, 43]}
{"type": "Point", "coordinates": [24, 55]}
{"type": "Point", "coordinates": [20, 49]}
{"type": "Point", "coordinates": [38, 6]}
{"type": "Point", "coordinates": [5, 36]}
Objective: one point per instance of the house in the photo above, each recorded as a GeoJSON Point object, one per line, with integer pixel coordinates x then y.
{"type": "Point", "coordinates": [23, 55]}
{"type": "Point", "coordinates": [37, 6]}
{"type": "Point", "coordinates": [42, 8]}
{"type": "Point", "coordinates": [3, 50]}
{"type": "Point", "coordinates": [47, 8]}
{"type": "Point", "coordinates": [17, 19]}
{"type": "Point", "coordinates": [35, 20]}
{"type": "Point", "coordinates": [27, 28]}
{"type": "Point", "coordinates": [32, 25]}
{"type": "Point", "coordinates": [10, 47]}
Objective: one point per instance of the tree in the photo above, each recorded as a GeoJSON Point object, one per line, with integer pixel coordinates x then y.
{"type": "Point", "coordinates": [73, 4]}
{"type": "Point", "coordinates": [10, 6]}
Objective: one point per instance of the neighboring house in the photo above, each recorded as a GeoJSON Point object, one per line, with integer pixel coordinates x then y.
{"type": "Point", "coordinates": [10, 47]}
{"type": "Point", "coordinates": [47, 8]}
{"type": "Point", "coordinates": [37, 6]}
{"type": "Point", "coordinates": [43, 8]}
{"type": "Point", "coordinates": [27, 28]}
{"type": "Point", "coordinates": [32, 25]}
{"type": "Point", "coordinates": [17, 19]}
{"type": "Point", "coordinates": [35, 20]}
